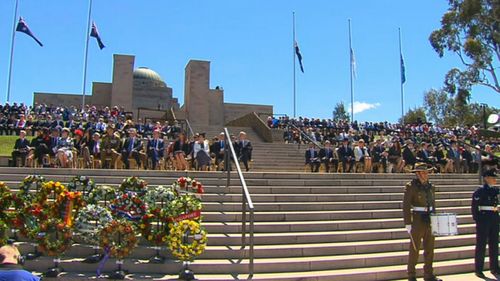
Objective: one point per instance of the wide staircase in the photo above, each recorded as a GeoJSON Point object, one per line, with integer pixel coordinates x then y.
{"type": "Point", "coordinates": [307, 227]}
{"type": "Point", "coordinates": [265, 156]}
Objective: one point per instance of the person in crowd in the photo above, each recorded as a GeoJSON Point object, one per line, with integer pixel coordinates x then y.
{"type": "Point", "coordinates": [445, 165]}
{"type": "Point", "coordinates": [110, 147]}
{"type": "Point", "coordinates": [346, 156]}
{"type": "Point", "coordinates": [218, 149]}
{"type": "Point", "coordinates": [418, 204]}
{"type": "Point", "coordinates": [181, 150]}
{"type": "Point", "coordinates": [156, 149]}
{"type": "Point", "coordinates": [328, 156]}
{"type": "Point", "coordinates": [244, 150]}
{"type": "Point", "coordinates": [409, 154]}
{"type": "Point", "coordinates": [64, 149]}
{"type": "Point", "coordinates": [380, 156]}
{"type": "Point", "coordinates": [312, 158]}
{"type": "Point", "coordinates": [362, 157]}
{"type": "Point", "coordinates": [201, 153]}
{"type": "Point", "coordinates": [485, 214]}
{"type": "Point", "coordinates": [40, 147]}
{"type": "Point", "coordinates": [21, 149]}
{"type": "Point", "coordinates": [131, 148]}
{"type": "Point", "coordinates": [455, 156]}
{"type": "Point", "coordinates": [11, 268]}
{"type": "Point", "coordinates": [395, 157]}
{"type": "Point", "coordinates": [81, 148]}
{"type": "Point", "coordinates": [95, 146]}
{"type": "Point", "coordinates": [54, 139]}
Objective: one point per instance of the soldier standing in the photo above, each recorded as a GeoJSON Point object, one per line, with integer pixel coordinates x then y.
{"type": "Point", "coordinates": [418, 204]}
{"type": "Point", "coordinates": [485, 214]}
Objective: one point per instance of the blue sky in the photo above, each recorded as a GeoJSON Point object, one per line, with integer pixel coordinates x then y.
{"type": "Point", "coordinates": [249, 44]}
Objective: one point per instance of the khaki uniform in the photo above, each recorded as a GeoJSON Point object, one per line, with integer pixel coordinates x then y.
{"type": "Point", "coordinates": [110, 145]}
{"type": "Point", "coordinates": [419, 195]}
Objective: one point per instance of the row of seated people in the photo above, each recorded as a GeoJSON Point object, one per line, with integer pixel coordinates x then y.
{"type": "Point", "coordinates": [111, 150]}
{"type": "Point", "coordinates": [388, 157]}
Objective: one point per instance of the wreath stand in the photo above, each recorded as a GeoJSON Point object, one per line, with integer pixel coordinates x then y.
{"type": "Point", "coordinates": [54, 271]}
{"type": "Point", "coordinates": [186, 273]}
{"type": "Point", "coordinates": [36, 254]}
{"type": "Point", "coordinates": [119, 273]}
{"type": "Point", "coordinates": [158, 258]}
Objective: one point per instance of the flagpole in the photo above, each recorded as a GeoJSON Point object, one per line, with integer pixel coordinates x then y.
{"type": "Point", "coordinates": [352, 70]}
{"type": "Point", "coordinates": [85, 58]}
{"type": "Point", "coordinates": [294, 69]}
{"type": "Point", "coordinates": [401, 79]}
{"type": "Point", "coordinates": [9, 79]}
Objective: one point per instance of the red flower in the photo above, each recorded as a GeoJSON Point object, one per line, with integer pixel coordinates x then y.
{"type": "Point", "coordinates": [201, 190]}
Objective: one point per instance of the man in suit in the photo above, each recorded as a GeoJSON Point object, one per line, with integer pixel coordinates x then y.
{"type": "Point", "coordinates": [21, 149]}
{"type": "Point", "coordinates": [328, 157]}
{"type": "Point", "coordinates": [408, 154]}
{"type": "Point", "coordinates": [156, 148]}
{"type": "Point", "coordinates": [346, 155]}
{"type": "Point", "coordinates": [455, 155]}
{"type": "Point", "coordinates": [244, 150]}
{"type": "Point", "coordinates": [54, 139]}
{"type": "Point", "coordinates": [218, 149]}
{"type": "Point", "coordinates": [379, 156]}
{"type": "Point", "coordinates": [312, 158]}
{"type": "Point", "coordinates": [131, 148]}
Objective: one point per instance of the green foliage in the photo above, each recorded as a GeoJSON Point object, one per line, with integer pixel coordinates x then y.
{"type": "Point", "coordinates": [453, 111]}
{"type": "Point", "coordinates": [414, 116]}
{"type": "Point", "coordinates": [340, 112]}
{"type": "Point", "coordinates": [471, 30]}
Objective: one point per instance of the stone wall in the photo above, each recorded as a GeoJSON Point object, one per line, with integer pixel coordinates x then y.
{"type": "Point", "coordinates": [258, 125]}
{"type": "Point", "coordinates": [60, 99]}
{"type": "Point", "coordinates": [234, 111]}
{"type": "Point", "coordinates": [101, 94]}
{"type": "Point", "coordinates": [123, 81]}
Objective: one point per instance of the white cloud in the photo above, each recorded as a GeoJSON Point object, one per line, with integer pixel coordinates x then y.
{"type": "Point", "coordinates": [363, 106]}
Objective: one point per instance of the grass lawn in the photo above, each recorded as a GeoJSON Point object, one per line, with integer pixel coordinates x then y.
{"type": "Point", "coordinates": [7, 144]}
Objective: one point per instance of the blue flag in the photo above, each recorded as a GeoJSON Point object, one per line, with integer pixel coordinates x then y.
{"type": "Point", "coordinates": [299, 56]}
{"type": "Point", "coordinates": [403, 74]}
{"type": "Point", "coordinates": [95, 33]}
{"type": "Point", "coordinates": [23, 27]}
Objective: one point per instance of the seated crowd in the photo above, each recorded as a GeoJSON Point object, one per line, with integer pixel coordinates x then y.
{"type": "Point", "coordinates": [385, 147]}
{"type": "Point", "coordinates": [106, 138]}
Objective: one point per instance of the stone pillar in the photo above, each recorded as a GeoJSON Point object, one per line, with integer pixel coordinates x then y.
{"type": "Point", "coordinates": [196, 90]}
{"type": "Point", "coordinates": [123, 81]}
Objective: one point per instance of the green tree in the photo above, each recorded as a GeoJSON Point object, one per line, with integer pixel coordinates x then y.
{"type": "Point", "coordinates": [471, 30]}
{"type": "Point", "coordinates": [414, 116]}
{"type": "Point", "coordinates": [340, 112]}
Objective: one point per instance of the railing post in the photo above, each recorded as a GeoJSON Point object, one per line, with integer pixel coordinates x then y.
{"type": "Point", "coordinates": [243, 221]}
{"type": "Point", "coordinates": [251, 268]}
{"type": "Point", "coordinates": [227, 159]}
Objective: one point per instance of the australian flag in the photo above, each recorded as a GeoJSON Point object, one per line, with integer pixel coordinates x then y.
{"type": "Point", "coordinates": [403, 70]}
{"type": "Point", "coordinates": [23, 27]}
{"type": "Point", "coordinates": [95, 33]}
{"type": "Point", "coordinates": [299, 56]}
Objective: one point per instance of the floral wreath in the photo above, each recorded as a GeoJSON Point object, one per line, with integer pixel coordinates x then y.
{"type": "Point", "coordinates": [159, 194]}
{"type": "Point", "coordinates": [184, 251]}
{"type": "Point", "coordinates": [6, 201]}
{"type": "Point", "coordinates": [67, 204]}
{"type": "Point", "coordinates": [26, 186]}
{"type": "Point", "coordinates": [90, 220]}
{"type": "Point", "coordinates": [25, 202]}
{"type": "Point", "coordinates": [109, 241]}
{"type": "Point", "coordinates": [184, 204]}
{"type": "Point", "coordinates": [128, 205]}
{"type": "Point", "coordinates": [3, 232]}
{"type": "Point", "coordinates": [82, 183]}
{"type": "Point", "coordinates": [101, 193]}
{"type": "Point", "coordinates": [188, 184]}
{"type": "Point", "coordinates": [49, 188]}
{"type": "Point", "coordinates": [54, 237]}
{"type": "Point", "coordinates": [156, 234]}
{"type": "Point", "coordinates": [134, 184]}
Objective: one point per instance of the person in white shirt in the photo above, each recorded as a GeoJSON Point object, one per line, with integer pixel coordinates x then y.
{"type": "Point", "coordinates": [362, 156]}
{"type": "Point", "coordinates": [201, 152]}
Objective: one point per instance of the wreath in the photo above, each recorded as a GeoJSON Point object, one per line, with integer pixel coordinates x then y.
{"type": "Point", "coordinates": [134, 184]}
{"type": "Point", "coordinates": [55, 189]}
{"type": "Point", "coordinates": [188, 184]}
{"type": "Point", "coordinates": [158, 233]}
{"type": "Point", "coordinates": [178, 245]}
{"type": "Point", "coordinates": [6, 201]}
{"type": "Point", "coordinates": [28, 182]}
{"type": "Point", "coordinates": [159, 194]}
{"type": "Point", "coordinates": [26, 205]}
{"type": "Point", "coordinates": [54, 237]}
{"type": "Point", "coordinates": [184, 204]}
{"type": "Point", "coordinates": [90, 220]}
{"type": "Point", "coordinates": [118, 238]}
{"type": "Point", "coordinates": [3, 232]}
{"type": "Point", "coordinates": [67, 204]}
{"type": "Point", "coordinates": [82, 183]}
{"type": "Point", "coordinates": [128, 205]}
{"type": "Point", "coordinates": [101, 193]}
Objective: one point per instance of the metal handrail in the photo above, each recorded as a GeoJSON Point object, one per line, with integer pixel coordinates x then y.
{"type": "Point", "coordinates": [190, 128]}
{"type": "Point", "coordinates": [246, 199]}
{"type": "Point", "coordinates": [307, 137]}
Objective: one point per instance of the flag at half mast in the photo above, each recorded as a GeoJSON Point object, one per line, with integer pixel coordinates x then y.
{"type": "Point", "coordinates": [353, 64]}
{"type": "Point", "coordinates": [299, 56]}
{"type": "Point", "coordinates": [23, 27]}
{"type": "Point", "coordinates": [403, 70]}
{"type": "Point", "coordinates": [95, 33]}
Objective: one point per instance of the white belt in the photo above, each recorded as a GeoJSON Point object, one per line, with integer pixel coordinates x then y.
{"type": "Point", "coordinates": [488, 208]}
{"type": "Point", "coordinates": [421, 209]}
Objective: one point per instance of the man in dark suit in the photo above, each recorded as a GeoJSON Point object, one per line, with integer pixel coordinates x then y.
{"type": "Point", "coordinates": [312, 158]}
{"type": "Point", "coordinates": [244, 150]}
{"type": "Point", "coordinates": [21, 149]}
{"type": "Point", "coordinates": [131, 148]}
{"type": "Point", "coordinates": [156, 148]}
{"type": "Point", "coordinates": [408, 154]}
{"type": "Point", "coordinates": [218, 149]}
{"type": "Point", "coordinates": [346, 155]}
{"type": "Point", "coordinates": [327, 156]}
{"type": "Point", "coordinates": [54, 139]}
